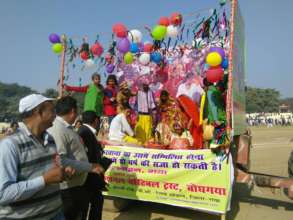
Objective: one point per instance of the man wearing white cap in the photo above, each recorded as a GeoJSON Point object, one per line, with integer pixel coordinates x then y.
{"type": "Point", "coordinates": [28, 174]}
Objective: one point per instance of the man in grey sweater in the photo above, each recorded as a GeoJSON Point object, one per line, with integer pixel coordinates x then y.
{"type": "Point", "coordinates": [72, 153]}
{"type": "Point", "coordinates": [29, 176]}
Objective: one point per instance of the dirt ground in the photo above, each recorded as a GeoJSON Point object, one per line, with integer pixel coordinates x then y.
{"type": "Point", "coordinates": [269, 154]}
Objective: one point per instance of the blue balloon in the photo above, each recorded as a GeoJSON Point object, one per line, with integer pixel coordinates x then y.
{"type": "Point", "coordinates": [156, 57]}
{"type": "Point", "coordinates": [134, 48]}
{"type": "Point", "coordinates": [225, 63]}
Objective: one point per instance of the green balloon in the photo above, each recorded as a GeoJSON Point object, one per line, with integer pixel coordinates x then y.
{"type": "Point", "coordinates": [128, 58]}
{"type": "Point", "coordinates": [57, 48]}
{"type": "Point", "coordinates": [159, 32]}
{"type": "Point", "coordinates": [222, 2]}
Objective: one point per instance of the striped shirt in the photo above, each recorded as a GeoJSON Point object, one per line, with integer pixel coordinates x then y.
{"type": "Point", "coordinates": [23, 161]}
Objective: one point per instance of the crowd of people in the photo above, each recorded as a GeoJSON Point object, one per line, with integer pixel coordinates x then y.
{"type": "Point", "coordinates": [48, 169]}
{"type": "Point", "coordinates": [52, 163]}
{"type": "Point", "coordinates": [270, 119]}
{"type": "Point", "coordinates": [143, 118]}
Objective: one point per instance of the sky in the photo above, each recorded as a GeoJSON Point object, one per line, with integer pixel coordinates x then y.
{"type": "Point", "coordinates": [26, 57]}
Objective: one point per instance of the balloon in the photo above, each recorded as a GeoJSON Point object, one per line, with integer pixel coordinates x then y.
{"type": "Point", "coordinates": [172, 31]}
{"type": "Point", "coordinates": [164, 21]}
{"type": "Point", "coordinates": [159, 32]}
{"type": "Point", "coordinates": [176, 19]}
{"type": "Point", "coordinates": [215, 74]}
{"type": "Point", "coordinates": [134, 36]}
{"type": "Point", "coordinates": [54, 38]}
{"type": "Point", "coordinates": [97, 49]}
{"type": "Point", "coordinates": [225, 63]}
{"type": "Point", "coordinates": [123, 45]}
{"type": "Point", "coordinates": [222, 2]}
{"type": "Point", "coordinates": [108, 58]}
{"type": "Point", "coordinates": [219, 50]}
{"type": "Point", "coordinates": [57, 48]}
{"type": "Point", "coordinates": [120, 30]}
{"type": "Point", "coordinates": [214, 59]}
{"type": "Point", "coordinates": [156, 57]}
{"type": "Point", "coordinates": [89, 63]}
{"type": "Point", "coordinates": [128, 58]}
{"type": "Point", "coordinates": [134, 48]}
{"type": "Point", "coordinates": [110, 68]}
{"type": "Point", "coordinates": [141, 47]}
{"type": "Point", "coordinates": [148, 47]}
{"type": "Point", "coordinates": [84, 55]}
{"type": "Point", "coordinates": [144, 58]}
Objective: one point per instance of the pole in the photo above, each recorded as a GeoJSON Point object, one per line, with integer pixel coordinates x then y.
{"type": "Point", "coordinates": [230, 70]}
{"type": "Point", "coordinates": [62, 67]}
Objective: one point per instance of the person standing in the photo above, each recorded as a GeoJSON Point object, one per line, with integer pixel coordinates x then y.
{"type": "Point", "coordinates": [72, 153]}
{"type": "Point", "coordinates": [93, 100]}
{"type": "Point", "coordinates": [94, 183]}
{"type": "Point", "coordinates": [146, 106]}
{"type": "Point", "coordinates": [28, 174]}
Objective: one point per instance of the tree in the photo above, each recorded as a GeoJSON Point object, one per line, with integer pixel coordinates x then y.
{"type": "Point", "coordinates": [51, 93]}
{"type": "Point", "coordinates": [262, 100]}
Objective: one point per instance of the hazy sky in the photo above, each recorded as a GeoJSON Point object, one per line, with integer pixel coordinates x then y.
{"type": "Point", "coordinates": [26, 56]}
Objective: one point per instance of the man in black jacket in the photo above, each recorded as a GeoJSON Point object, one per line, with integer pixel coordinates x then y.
{"type": "Point", "coordinates": [94, 183]}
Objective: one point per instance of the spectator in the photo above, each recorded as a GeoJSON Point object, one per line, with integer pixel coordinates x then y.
{"type": "Point", "coordinates": [72, 153]}
{"type": "Point", "coordinates": [28, 174]}
{"type": "Point", "coordinates": [94, 183]}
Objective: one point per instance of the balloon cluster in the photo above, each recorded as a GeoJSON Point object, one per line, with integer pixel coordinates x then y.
{"type": "Point", "coordinates": [217, 63]}
{"type": "Point", "coordinates": [130, 42]}
{"type": "Point", "coordinates": [88, 53]}
{"type": "Point", "coordinates": [57, 46]}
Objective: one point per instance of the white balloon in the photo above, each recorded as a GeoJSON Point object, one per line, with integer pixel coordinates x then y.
{"type": "Point", "coordinates": [135, 36]}
{"type": "Point", "coordinates": [89, 63]}
{"type": "Point", "coordinates": [144, 58]}
{"type": "Point", "coordinates": [172, 31]}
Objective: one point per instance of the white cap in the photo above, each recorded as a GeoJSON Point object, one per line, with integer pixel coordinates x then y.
{"type": "Point", "coordinates": [31, 101]}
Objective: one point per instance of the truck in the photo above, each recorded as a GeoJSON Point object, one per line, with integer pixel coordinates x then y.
{"type": "Point", "coordinates": [150, 174]}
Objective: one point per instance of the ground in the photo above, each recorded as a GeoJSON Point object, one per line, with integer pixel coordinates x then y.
{"type": "Point", "coordinates": [269, 154]}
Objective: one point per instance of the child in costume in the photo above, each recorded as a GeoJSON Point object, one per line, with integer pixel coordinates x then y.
{"type": "Point", "coordinates": [110, 95]}
{"type": "Point", "coordinates": [145, 106]}
{"type": "Point", "coordinates": [180, 137]}
{"type": "Point", "coordinates": [93, 100]}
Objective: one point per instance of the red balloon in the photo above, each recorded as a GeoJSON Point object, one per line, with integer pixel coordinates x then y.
{"type": "Point", "coordinates": [108, 58]}
{"type": "Point", "coordinates": [148, 48]}
{"type": "Point", "coordinates": [97, 49]}
{"type": "Point", "coordinates": [84, 55]}
{"type": "Point", "coordinates": [120, 30]}
{"type": "Point", "coordinates": [164, 21]}
{"type": "Point", "coordinates": [215, 74]}
{"type": "Point", "coordinates": [176, 19]}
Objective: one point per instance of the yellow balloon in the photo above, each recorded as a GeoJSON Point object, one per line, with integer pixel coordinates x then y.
{"type": "Point", "coordinates": [214, 59]}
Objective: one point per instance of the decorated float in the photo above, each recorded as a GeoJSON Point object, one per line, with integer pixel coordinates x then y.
{"type": "Point", "coordinates": [199, 60]}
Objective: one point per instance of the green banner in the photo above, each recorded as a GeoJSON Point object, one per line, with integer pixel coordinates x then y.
{"type": "Point", "coordinates": [195, 179]}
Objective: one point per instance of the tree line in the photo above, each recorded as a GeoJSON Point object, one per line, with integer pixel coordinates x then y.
{"type": "Point", "coordinates": [257, 99]}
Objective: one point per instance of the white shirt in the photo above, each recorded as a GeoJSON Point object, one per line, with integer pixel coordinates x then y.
{"type": "Point", "coordinates": [119, 128]}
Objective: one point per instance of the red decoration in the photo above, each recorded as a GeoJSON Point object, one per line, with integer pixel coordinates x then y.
{"type": "Point", "coordinates": [97, 49]}
{"type": "Point", "coordinates": [162, 74]}
{"type": "Point", "coordinates": [120, 30]}
{"type": "Point", "coordinates": [84, 55]}
{"type": "Point", "coordinates": [215, 74]}
{"type": "Point", "coordinates": [176, 19]}
{"type": "Point", "coordinates": [108, 58]}
{"type": "Point", "coordinates": [164, 21]}
{"type": "Point", "coordinates": [148, 48]}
